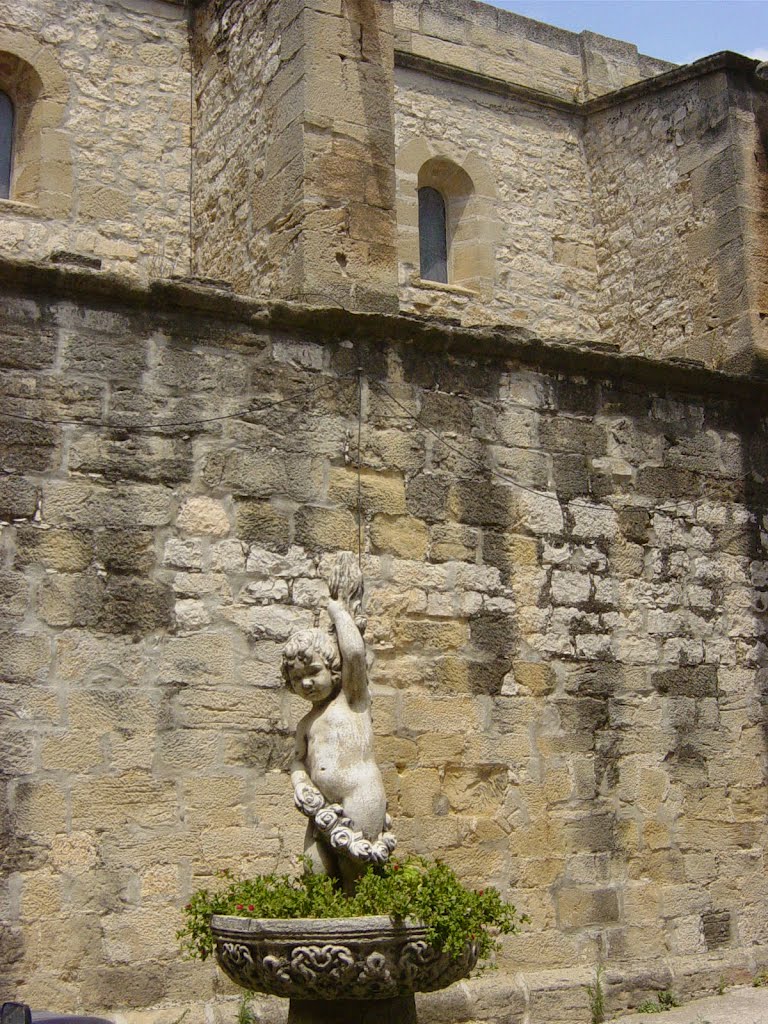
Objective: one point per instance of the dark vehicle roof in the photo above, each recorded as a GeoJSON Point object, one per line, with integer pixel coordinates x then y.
{"type": "Point", "coordinates": [47, 1017]}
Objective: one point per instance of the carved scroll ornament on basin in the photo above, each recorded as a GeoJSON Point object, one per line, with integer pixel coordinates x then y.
{"type": "Point", "coordinates": [334, 958]}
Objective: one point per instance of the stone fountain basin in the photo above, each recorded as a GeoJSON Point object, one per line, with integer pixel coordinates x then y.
{"type": "Point", "coordinates": [334, 958]}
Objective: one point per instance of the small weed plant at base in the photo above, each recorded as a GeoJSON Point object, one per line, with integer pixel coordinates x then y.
{"type": "Point", "coordinates": [245, 1014]}
{"type": "Point", "coordinates": [596, 994]}
{"type": "Point", "coordinates": [664, 1002]}
{"type": "Point", "coordinates": [668, 1000]}
{"type": "Point", "coordinates": [761, 979]}
{"type": "Point", "coordinates": [427, 891]}
{"type": "Point", "coordinates": [649, 1006]}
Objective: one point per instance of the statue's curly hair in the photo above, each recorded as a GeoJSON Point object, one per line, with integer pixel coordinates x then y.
{"type": "Point", "coordinates": [306, 642]}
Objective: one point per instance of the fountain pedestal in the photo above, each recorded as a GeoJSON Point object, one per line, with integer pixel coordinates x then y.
{"type": "Point", "coordinates": [400, 1010]}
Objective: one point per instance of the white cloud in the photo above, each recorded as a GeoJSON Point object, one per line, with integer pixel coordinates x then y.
{"type": "Point", "coordinates": [761, 53]}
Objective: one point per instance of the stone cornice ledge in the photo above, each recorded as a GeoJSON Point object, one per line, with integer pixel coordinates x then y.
{"type": "Point", "coordinates": [509, 345]}
{"type": "Point", "coordinates": [726, 60]}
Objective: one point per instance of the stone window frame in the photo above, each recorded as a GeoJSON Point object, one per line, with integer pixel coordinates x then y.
{"type": "Point", "coordinates": [467, 185]}
{"type": "Point", "coordinates": [41, 171]}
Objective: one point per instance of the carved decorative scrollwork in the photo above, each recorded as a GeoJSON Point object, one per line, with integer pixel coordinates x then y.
{"type": "Point", "coordinates": [237, 954]}
{"type": "Point", "coordinates": [372, 965]}
{"type": "Point", "coordinates": [317, 970]}
{"type": "Point", "coordinates": [376, 976]}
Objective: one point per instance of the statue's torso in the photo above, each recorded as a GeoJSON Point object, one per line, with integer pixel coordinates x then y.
{"type": "Point", "coordinates": [340, 762]}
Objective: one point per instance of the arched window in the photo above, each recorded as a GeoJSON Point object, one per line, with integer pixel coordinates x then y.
{"type": "Point", "coordinates": [35, 159]}
{"type": "Point", "coordinates": [433, 237]}
{"type": "Point", "coordinates": [6, 144]}
{"type": "Point", "coordinates": [446, 221]}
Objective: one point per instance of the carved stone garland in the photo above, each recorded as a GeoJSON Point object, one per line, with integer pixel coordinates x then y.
{"type": "Point", "coordinates": [338, 830]}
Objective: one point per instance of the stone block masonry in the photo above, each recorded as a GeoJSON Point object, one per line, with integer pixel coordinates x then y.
{"type": "Point", "coordinates": [278, 147]}
{"type": "Point", "coordinates": [572, 246]}
{"type": "Point", "coordinates": [698, 151]}
{"type": "Point", "coordinates": [478, 37]}
{"type": "Point", "coordinates": [544, 268]}
{"type": "Point", "coordinates": [103, 159]}
{"type": "Point", "coordinates": [569, 678]}
{"type": "Point", "coordinates": [563, 532]}
{"type": "Point", "coordinates": [306, 210]}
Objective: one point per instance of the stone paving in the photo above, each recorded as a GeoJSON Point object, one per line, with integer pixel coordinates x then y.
{"type": "Point", "coordinates": [735, 1006]}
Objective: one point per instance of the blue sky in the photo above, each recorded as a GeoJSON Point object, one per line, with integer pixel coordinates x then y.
{"type": "Point", "coordinates": [675, 30]}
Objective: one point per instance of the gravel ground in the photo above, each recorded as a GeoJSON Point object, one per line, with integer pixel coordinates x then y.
{"type": "Point", "coordinates": [735, 1006]}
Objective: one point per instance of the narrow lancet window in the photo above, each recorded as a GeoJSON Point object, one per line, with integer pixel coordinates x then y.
{"type": "Point", "coordinates": [6, 144]}
{"type": "Point", "coordinates": [433, 241]}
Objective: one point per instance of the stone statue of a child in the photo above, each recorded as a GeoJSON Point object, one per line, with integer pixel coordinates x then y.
{"type": "Point", "coordinates": [336, 781]}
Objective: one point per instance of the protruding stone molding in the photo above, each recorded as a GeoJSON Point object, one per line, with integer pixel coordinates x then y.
{"type": "Point", "coordinates": [328, 324]}
{"type": "Point", "coordinates": [42, 161]}
{"type": "Point", "coordinates": [725, 60]}
{"type": "Point", "coordinates": [468, 186]}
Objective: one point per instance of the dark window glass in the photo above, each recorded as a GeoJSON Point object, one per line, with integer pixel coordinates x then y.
{"type": "Point", "coordinates": [6, 144]}
{"type": "Point", "coordinates": [433, 245]}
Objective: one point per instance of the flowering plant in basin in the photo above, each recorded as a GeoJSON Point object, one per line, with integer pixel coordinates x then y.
{"type": "Point", "coordinates": [455, 917]}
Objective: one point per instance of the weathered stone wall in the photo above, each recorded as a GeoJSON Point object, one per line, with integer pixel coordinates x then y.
{"type": "Point", "coordinates": [107, 146]}
{"type": "Point", "coordinates": [752, 164]}
{"type": "Point", "coordinates": [294, 152]}
{"type": "Point", "coordinates": [539, 222]}
{"type": "Point", "coordinates": [677, 178]}
{"type": "Point", "coordinates": [636, 218]}
{"type": "Point", "coordinates": [237, 52]}
{"type": "Point", "coordinates": [509, 47]}
{"type": "Point", "coordinates": [633, 217]}
{"type": "Point", "coordinates": [569, 678]}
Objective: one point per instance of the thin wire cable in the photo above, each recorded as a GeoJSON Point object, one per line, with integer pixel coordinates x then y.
{"type": "Point", "coordinates": [359, 477]}
{"type": "Point", "coordinates": [151, 428]}
{"type": "Point", "coordinates": [240, 414]}
{"type": "Point", "coordinates": [463, 455]}
{"type": "Point", "coordinates": [191, 139]}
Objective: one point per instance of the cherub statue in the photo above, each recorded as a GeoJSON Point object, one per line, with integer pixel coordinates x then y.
{"type": "Point", "coordinates": [336, 781]}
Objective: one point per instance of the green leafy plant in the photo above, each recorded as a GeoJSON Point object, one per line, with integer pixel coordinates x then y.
{"type": "Point", "coordinates": [245, 1014]}
{"type": "Point", "coordinates": [721, 985]}
{"type": "Point", "coordinates": [665, 1001]}
{"type": "Point", "coordinates": [761, 979]}
{"type": "Point", "coordinates": [596, 994]}
{"type": "Point", "coordinates": [428, 891]}
{"type": "Point", "coordinates": [668, 1000]}
{"type": "Point", "coordinates": [649, 1006]}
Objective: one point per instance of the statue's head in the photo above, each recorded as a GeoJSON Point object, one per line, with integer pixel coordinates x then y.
{"type": "Point", "coordinates": [311, 665]}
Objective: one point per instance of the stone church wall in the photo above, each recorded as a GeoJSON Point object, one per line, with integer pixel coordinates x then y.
{"type": "Point", "coordinates": [107, 142]}
{"type": "Point", "coordinates": [512, 48]}
{"type": "Point", "coordinates": [236, 57]}
{"type": "Point", "coordinates": [544, 271]}
{"type": "Point", "coordinates": [569, 676]}
{"type": "Point", "coordinates": [294, 164]}
{"type": "Point", "coordinates": [678, 182]}
{"type": "Point", "coordinates": [606, 203]}
{"type": "Point", "coordinates": [563, 512]}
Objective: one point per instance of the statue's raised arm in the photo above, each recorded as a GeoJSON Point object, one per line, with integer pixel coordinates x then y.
{"type": "Point", "coordinates": [345, 609]}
